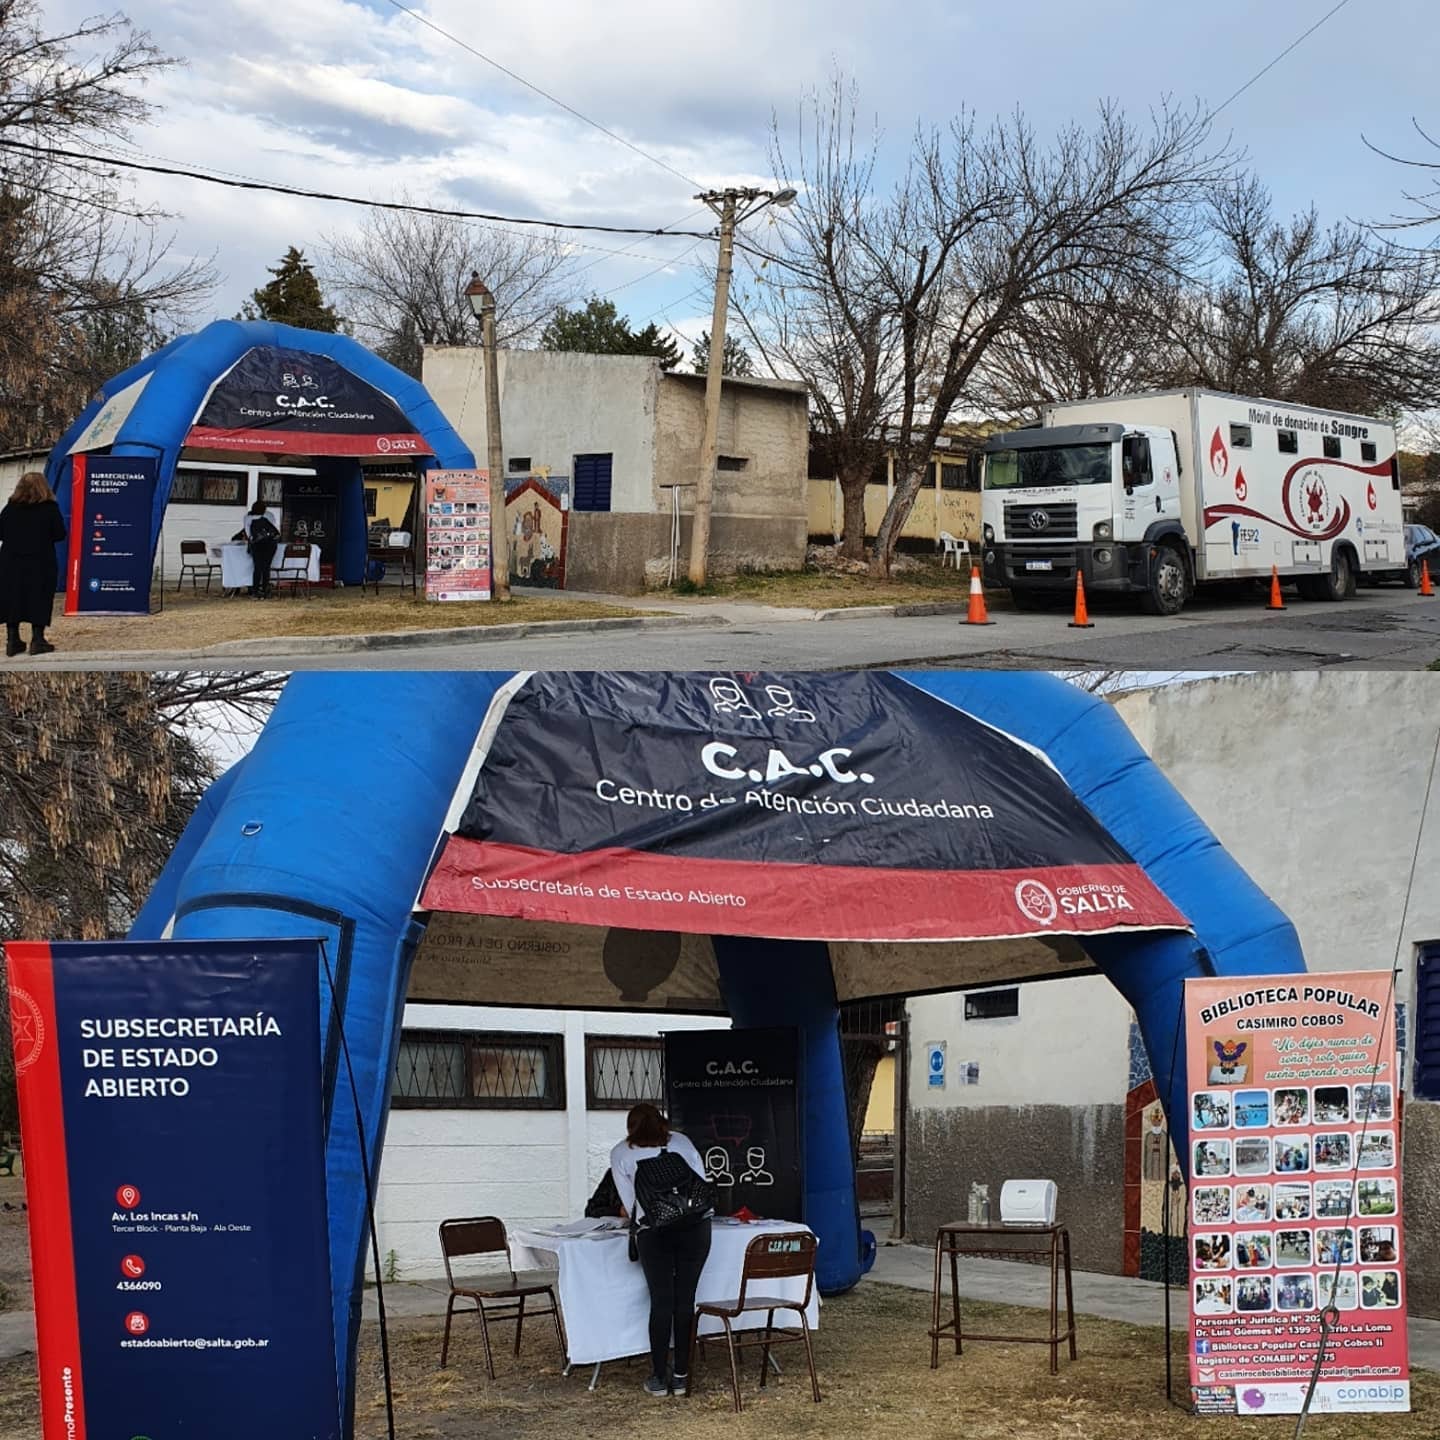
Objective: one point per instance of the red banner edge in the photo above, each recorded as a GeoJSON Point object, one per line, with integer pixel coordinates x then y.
{"type": "Point", "coordinates": [77, 521]}
{"type": "Point", "coordinates": [47, 1192]}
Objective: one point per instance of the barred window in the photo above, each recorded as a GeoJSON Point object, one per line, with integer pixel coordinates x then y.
{"type": "Point", "coordinates": [470, 1070]}
{"type": "Point", "coordinates": [621, 1071]}
{"type": "Point", "coordinates": [208, 487]}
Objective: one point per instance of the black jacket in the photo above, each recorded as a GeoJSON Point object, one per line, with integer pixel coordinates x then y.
{"type": "Point", "coordinates": [28, 570]}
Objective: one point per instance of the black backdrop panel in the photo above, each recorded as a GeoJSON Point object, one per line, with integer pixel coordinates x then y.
{"type": "Point", "coordinates": [735, 1094]}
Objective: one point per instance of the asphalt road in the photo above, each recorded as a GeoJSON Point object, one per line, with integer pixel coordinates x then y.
{"type": "Point", "coordinates": [1389, 629]}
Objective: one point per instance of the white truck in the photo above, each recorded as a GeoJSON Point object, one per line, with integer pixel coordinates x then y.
{"type": "Point", "coordinates": [1156, 494]}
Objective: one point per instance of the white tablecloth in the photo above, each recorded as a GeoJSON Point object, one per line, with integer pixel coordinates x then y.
{"type": "Point", "coordinates": [237, 571]}
{"type": "Point", "coordinates": [603, 1292]}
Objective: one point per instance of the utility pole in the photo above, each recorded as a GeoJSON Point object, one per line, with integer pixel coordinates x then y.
{"type": "Point", "coordinates": [727, 205]}
{"type": "Point", "coordinates": [482, 303]}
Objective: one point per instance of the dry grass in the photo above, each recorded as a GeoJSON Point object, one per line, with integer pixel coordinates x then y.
{"type": "Point", "coordinates": [826, 590]}
{"type": "Point", "coordinates": [195, 620]}
{"type": "Point", "coordinates": [873, 1358]}
{"type": "Point", "coordinates": [15, 1289]}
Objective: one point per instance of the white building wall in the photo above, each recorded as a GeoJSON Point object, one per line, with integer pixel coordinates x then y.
{"type": "Point", "coordinates": [554, 406]}
{"type": "Point", "coordinates": [526, 1166]}
{"type": "Point", "coordinates": [1313, 782]}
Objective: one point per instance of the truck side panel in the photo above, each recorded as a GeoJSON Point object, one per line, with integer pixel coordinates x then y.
{"type": "Point", "coordinates": [1265, 505]}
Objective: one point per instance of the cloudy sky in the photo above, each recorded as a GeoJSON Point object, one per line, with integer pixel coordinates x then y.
{"type": "Point", "coordinates": [355, 96]}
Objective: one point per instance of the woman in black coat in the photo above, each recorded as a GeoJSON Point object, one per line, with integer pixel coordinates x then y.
{"type": "Point", "coordinates": [30, 527]}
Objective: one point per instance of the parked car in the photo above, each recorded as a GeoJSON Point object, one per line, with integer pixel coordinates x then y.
{"type": "Point", "coordinates": [1421, 543]}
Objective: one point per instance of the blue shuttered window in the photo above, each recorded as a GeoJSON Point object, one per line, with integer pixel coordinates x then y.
{"type": "Point", "coordinates": [592, 482]}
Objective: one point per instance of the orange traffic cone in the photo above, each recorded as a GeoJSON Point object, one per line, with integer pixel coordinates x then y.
{"type": "Point", "coordinates": [1426, 588]}
{"type": "Point", "coordinates": [977, 614]}
{"type": "Point", "coordinates": [1082, 620]}
{"type": "Point", "coordinates": [1276, 603]}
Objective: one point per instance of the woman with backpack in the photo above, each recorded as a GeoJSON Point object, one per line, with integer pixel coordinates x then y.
{"type": "Point", "coordinates": [665, 1194]}
{"type": "Point", "coordinates": [263, 537]}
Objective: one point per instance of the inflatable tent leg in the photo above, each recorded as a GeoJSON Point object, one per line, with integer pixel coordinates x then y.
{"type": "Point", "coordinates": [772, 982]}
{"type": "Point", "coordinates": [327, 831]}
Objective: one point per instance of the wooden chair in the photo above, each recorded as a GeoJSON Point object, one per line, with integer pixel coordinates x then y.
{"type": "Point", "coordinates": [485, 1235]}
{"type": "Point", "coordinates": [293, 569]}
{"type": "Point", "coordinates": [784, 1256]}
{"type": "Point", "coordinates": [195, 561]}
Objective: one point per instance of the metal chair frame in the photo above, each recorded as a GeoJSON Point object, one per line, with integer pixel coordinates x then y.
{"type": "Point", "coordinates": [485, 1235]}
{"type": "Point", "coordinates": [195, 569]}
{"type": "Point", "coordinates": [777, 1256]}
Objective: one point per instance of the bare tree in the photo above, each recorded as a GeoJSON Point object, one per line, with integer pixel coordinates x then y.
{"type": "Point", "coordinates": [1336, 317]}
{"type": "Point", "coordinates": [82, 264]}
{"type": "Point", "coordinates": [1089, 338]}
{"type": "Point", "coordinates": [993, 226]}
{"type": "Point", "coordinates": [813, 303]}
{"type": "Point", "coordinates": [99, 775]}
{"type": "Point", "coordinates": [401, 280]}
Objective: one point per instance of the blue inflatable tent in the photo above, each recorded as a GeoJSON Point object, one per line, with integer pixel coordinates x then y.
{"type": "Point", "coordinates": [342, 813]}
{"type": "Point", "coordinates": [255, 387]}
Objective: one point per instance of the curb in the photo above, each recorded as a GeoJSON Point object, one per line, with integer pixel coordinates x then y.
{"type": "Point", "coordinates": [901, 612]}
{"type": "Point", "coordinates": [277, 646]}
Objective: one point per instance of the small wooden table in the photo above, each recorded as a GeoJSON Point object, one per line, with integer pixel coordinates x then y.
{"type": "Point", "coordinates": [964, 1239]}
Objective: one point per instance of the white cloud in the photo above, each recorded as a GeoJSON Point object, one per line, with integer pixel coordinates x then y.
{"type": "Point", "coordinates": [353, 96]}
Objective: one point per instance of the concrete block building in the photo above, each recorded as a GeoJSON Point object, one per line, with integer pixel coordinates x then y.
{"type": "Point", "coordinates": [615, 441]}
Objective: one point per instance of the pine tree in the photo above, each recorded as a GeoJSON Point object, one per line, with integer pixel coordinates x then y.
{"type": "Point", "coordinates": [599, 329]}
{"type": "Point", "coordinates": [292, 297]}
{"type": "Point", "coordinates": [734, 361]}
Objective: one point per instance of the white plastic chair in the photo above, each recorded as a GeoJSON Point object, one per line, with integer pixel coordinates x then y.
{"type": "Point", "coordinates": [951, 551]}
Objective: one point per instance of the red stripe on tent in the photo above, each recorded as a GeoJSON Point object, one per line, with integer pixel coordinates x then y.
{"type": "Point", "coordinates": [307, 442]}
{"type": "Point", "coordinates": [77, 524]}
{"type": "Point", "coordinates": [36, 1039]}
{"type": "Point", "coordinates": [635, 889]}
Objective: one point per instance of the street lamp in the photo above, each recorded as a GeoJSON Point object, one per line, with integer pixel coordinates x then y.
{"type": "Point", "coordinates": [732, 206]}
{"type": "Point", "coordinates": [482, 306]}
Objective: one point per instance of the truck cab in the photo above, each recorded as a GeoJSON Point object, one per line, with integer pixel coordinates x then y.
{"type": "Point", "coordinates": [1099, 500]}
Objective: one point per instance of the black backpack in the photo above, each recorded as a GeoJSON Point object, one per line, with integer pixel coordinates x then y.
{"type": "Point", "coordinates": [670, 1193]}
{"type": "Point", "coordinates": [606, 1199]}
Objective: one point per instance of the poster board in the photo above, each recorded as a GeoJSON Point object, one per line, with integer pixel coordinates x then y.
{"type": "Point", "coordinates": [735, 1094]}
{"type": "Point", "coordinates": [457, 535]}
{"type": "Point", "coordinates": [1295, 1194]}
{"type": "Point", "coordinates": [109, 554]}
{"type": "Point", "coordinates": [171, 1118]}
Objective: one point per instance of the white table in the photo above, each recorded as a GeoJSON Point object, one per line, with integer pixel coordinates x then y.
{"type": "Point", "coordinates": [603, 1293]}
{"type": "Point", "coordinates": [237, 570]}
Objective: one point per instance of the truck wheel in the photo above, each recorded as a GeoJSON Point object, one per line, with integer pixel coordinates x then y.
{"type": "Point", "coordinates": [1339, 582]}
{"type": "Point", "coordinates": [1165, 594]}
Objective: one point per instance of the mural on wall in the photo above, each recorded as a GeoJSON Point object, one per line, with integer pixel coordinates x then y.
{"type": "Point", "coordinates": [537, 510]}
{"type": "Point", "coordinates": [1154, 1184]}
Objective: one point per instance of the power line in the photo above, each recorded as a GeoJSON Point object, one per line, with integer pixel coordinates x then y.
{"type": "Point", "coordinates": [545, 94]}
{"type": "Point", "coordinates": [79, 157]}
{"type": "Point", "coordinates": [1293, 45]}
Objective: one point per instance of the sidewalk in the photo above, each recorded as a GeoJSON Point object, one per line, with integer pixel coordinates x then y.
{"type": "Point", "coordinates": [1003, 1282]}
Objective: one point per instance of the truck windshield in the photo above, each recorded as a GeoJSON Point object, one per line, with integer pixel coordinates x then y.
{"type": "Point", "coordinates": [1048, 465]}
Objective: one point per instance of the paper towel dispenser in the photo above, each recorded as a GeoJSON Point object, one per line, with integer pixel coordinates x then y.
{"type": "Point", "coordinates": [1027, 1202]}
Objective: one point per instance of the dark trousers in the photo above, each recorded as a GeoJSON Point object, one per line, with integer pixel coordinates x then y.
{"type": "Point", "coordinates": [262, 556]}
{"type": "Point", "coordinates": [672, 1260]}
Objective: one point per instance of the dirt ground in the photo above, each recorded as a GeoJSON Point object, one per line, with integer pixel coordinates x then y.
{"type": "Point", "coordinates": [193, 620]}
{"type": "Point", "coordinates": [873, 1360]}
